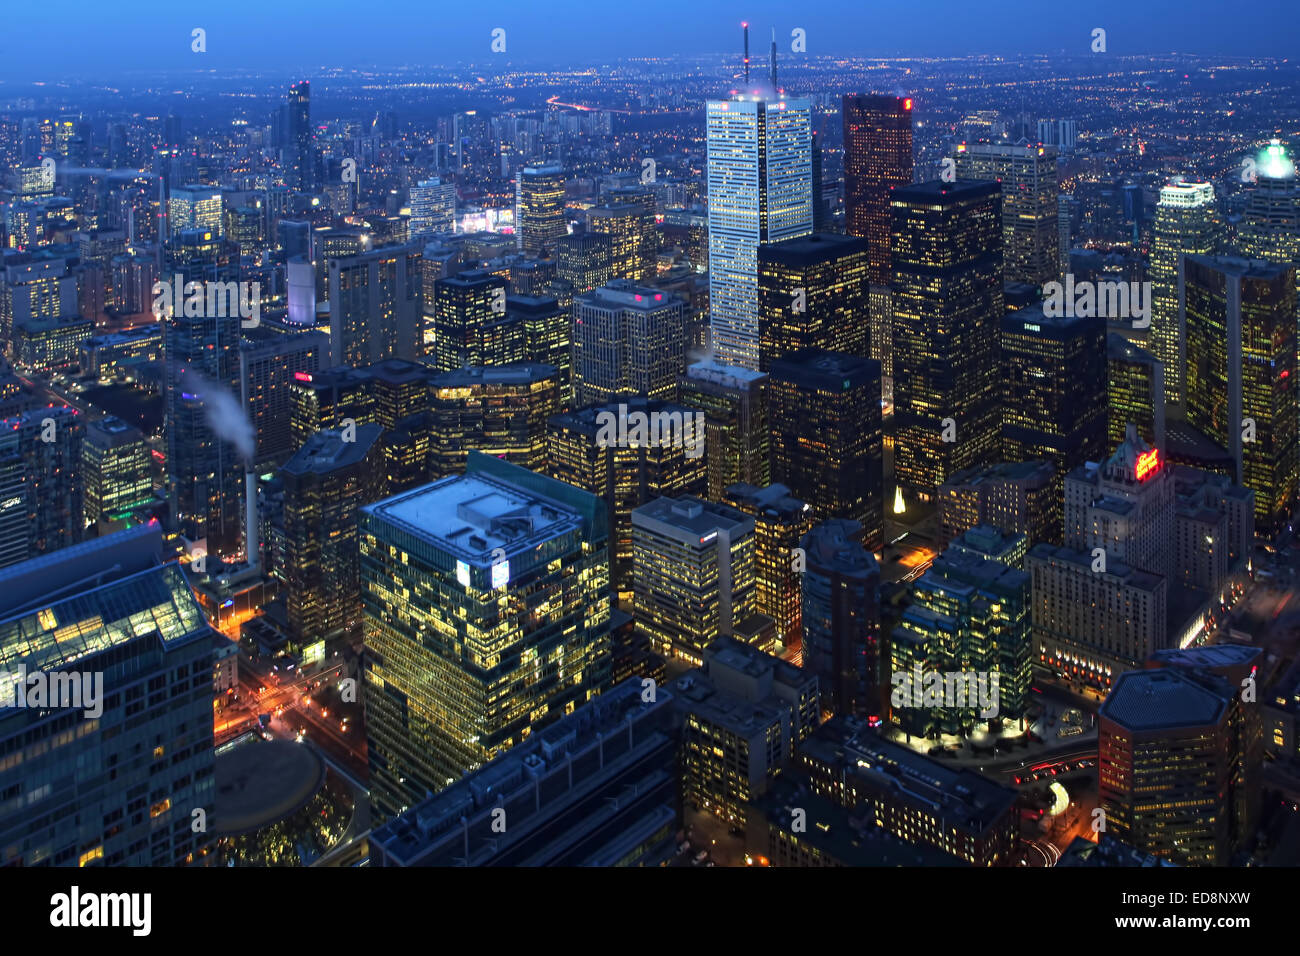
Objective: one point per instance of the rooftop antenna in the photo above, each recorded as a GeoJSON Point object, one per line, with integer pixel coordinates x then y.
{"type": "Point", "coordinates": [746, 26]}
{"type": "Point", "coordinates": [774, 59]}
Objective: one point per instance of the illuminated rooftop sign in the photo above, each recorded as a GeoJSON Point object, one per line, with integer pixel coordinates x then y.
{"type": "Point", "coordinates": [1148, 464]}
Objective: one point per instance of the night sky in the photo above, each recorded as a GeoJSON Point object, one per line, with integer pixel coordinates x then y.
{"type": "Point", "coordinates": [85, 38]}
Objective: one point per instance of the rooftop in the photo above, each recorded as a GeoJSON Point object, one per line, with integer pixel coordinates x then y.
{"type": "Point", "coordinates": [518, 373]}
{"type": "Point", "coordinates": [1243, 268]}
{"type": "Point", "coordinates": [111, 431]}
{"type": "Point", "coordinates": [94, 618]}
{"type": "Point", "coordinates": [692, 517]}
{"type": "Point", "coordinates": [817, 366]}
{"type": "Point", "coordinates": [732, 376]}
{"type": "Point", "coordinates": [938, 191]}
{"type": "Point", "coordinates": [836, 546]}
{"type": "Point", "coordinates": [473, 516]}
{"type": "Point", "coordinates": [629, 295]}
{"type": "Point", "coordinates": [1118, 347]}
{"type": "Point", "coordinates": [1083, 559]}
{"type": "Point", "coordinates": [326, 450]}
{"type": "Point", "coordinates": [1209, 656]}
{"type": "Point", "coordinates": [851, 838]}
{"type": "Point", "coordinates": [553, 766]}
{"type": "Point", "coordinates": [811, 249]}
{"type": "Point", "coordinates": [261, 782]}
{"type": "Point", "coordinates": [958, 797]}
{"type": "Point", "coordinates": [39, 580]}
{"type": "Point", "coordinates": [770, 501]}
{"type": "Point", "coordinates": [1004, 471]}
{"type": "Point", "coordinates": [1161, 698]}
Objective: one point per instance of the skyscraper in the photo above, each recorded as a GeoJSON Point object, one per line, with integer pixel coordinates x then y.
{"type": "Point", "coordinates": [114, 782]}
{"type": "Point", "coordinates": [841, 618]}
{"type": "Point", "coordinates": [624, 475]}
{"type": "Point", "coordinates": [323, 399]}
{"type": "Point", "coordinates": [828, 436]}
{"type": "Point", "coordinates": [946, 248]}
{"type": "Point", "coordinates": [1064, 232]}
{"type": "Point", "coordinates": [116, 469]}
{"type": "Point", "coordinates": [195, 207]}
{"type": "Point", "coordinates": [376, 306]}
{"type": "Point", "coordinates": [325, 486]}
{"type": "Point", "coordinates": [1093, 616]}
{"type": "Point", "coordinates": [627, 339]}
{"type": "Point", "coordinates": [300, 135]}
{"type": "Point", "coordinates": [465, 308]}
{"type": "Point", "coordinates": [539, 216]}
{"type": "Point", "coordinates": [1059, 133]}
{"type": "Point", "coordinates": [1186, 223]}
{"type": "Point", "coordinates": [1124, 505]}
{"type": "Point", "coordinates": [813, 292]}
{"type": "Point", "coordinates": [645, 201]}
{"type": "Point", "coordinates": [1182, 723]}
{"type": "Point", "coordinates": [1240, 319]}
{"type": "Point", "coordinates": [584, 259]}
{"type": "Point", "coordinates": [1270, 228]}
{"type": "Point", "coordinates": [517, 637]}
{"type": "Point", "coordinates": [694, 574]}
{"type": "Point", "coordinates": [433, 208]}
{"type": "Point", "coordinates": [1021, 497]}
{"type": "Point", "coordinates": [780, 521]}
{"type": "Point", "coordinates": [269, 360]}
{"type": "Point", "coordinates": [499, 410]}
{"type": "Point", "coordinates": [1135, 392]}
{"type": "Point", "coordinates": [969, 614]}
{"type": "Point", "coordinates": [1053, 390]}
{"type": "Point", "coordinates": [877, 157]}
{"type": "Point", "coordinates": [822, 215]}
{"type": "Point", "coordinates": [548, 337]}
{"type": "Point", "coordinates": [36, 285]}
{"type": "Point", "coordinates": [741, 715]}
{"type": "Point", "coordinates": [760, 191]}
{"type": "Point", "coordinates": [629, 226]}
{"type": "Point", "coordinates": [528, 277]}
{"type": "Point", "coordinates": [204, 469]}
{"type": "Point", "coordinates": [1030, 235]}
{"type": "Point", "coordinates": [41, 480]}
{"type": "Point", "coordinates": [737, 439]}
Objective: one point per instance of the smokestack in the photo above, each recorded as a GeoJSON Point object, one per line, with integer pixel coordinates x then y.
{"type": "Point", "coordinates": [251, 547]}
{"type": "Point", "coordinates": [746, 26]}
{"type": "Point", "coordinates": [773, 59]}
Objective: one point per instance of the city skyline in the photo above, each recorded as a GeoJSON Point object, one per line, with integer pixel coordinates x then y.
{"type": "Point", "coordinates": [619, 438]}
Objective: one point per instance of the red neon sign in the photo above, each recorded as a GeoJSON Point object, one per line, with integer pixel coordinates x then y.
{"type": "Point", "coordinates": [1148, 464]}
{"type": "Point", "coordinates": [907, 104]}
